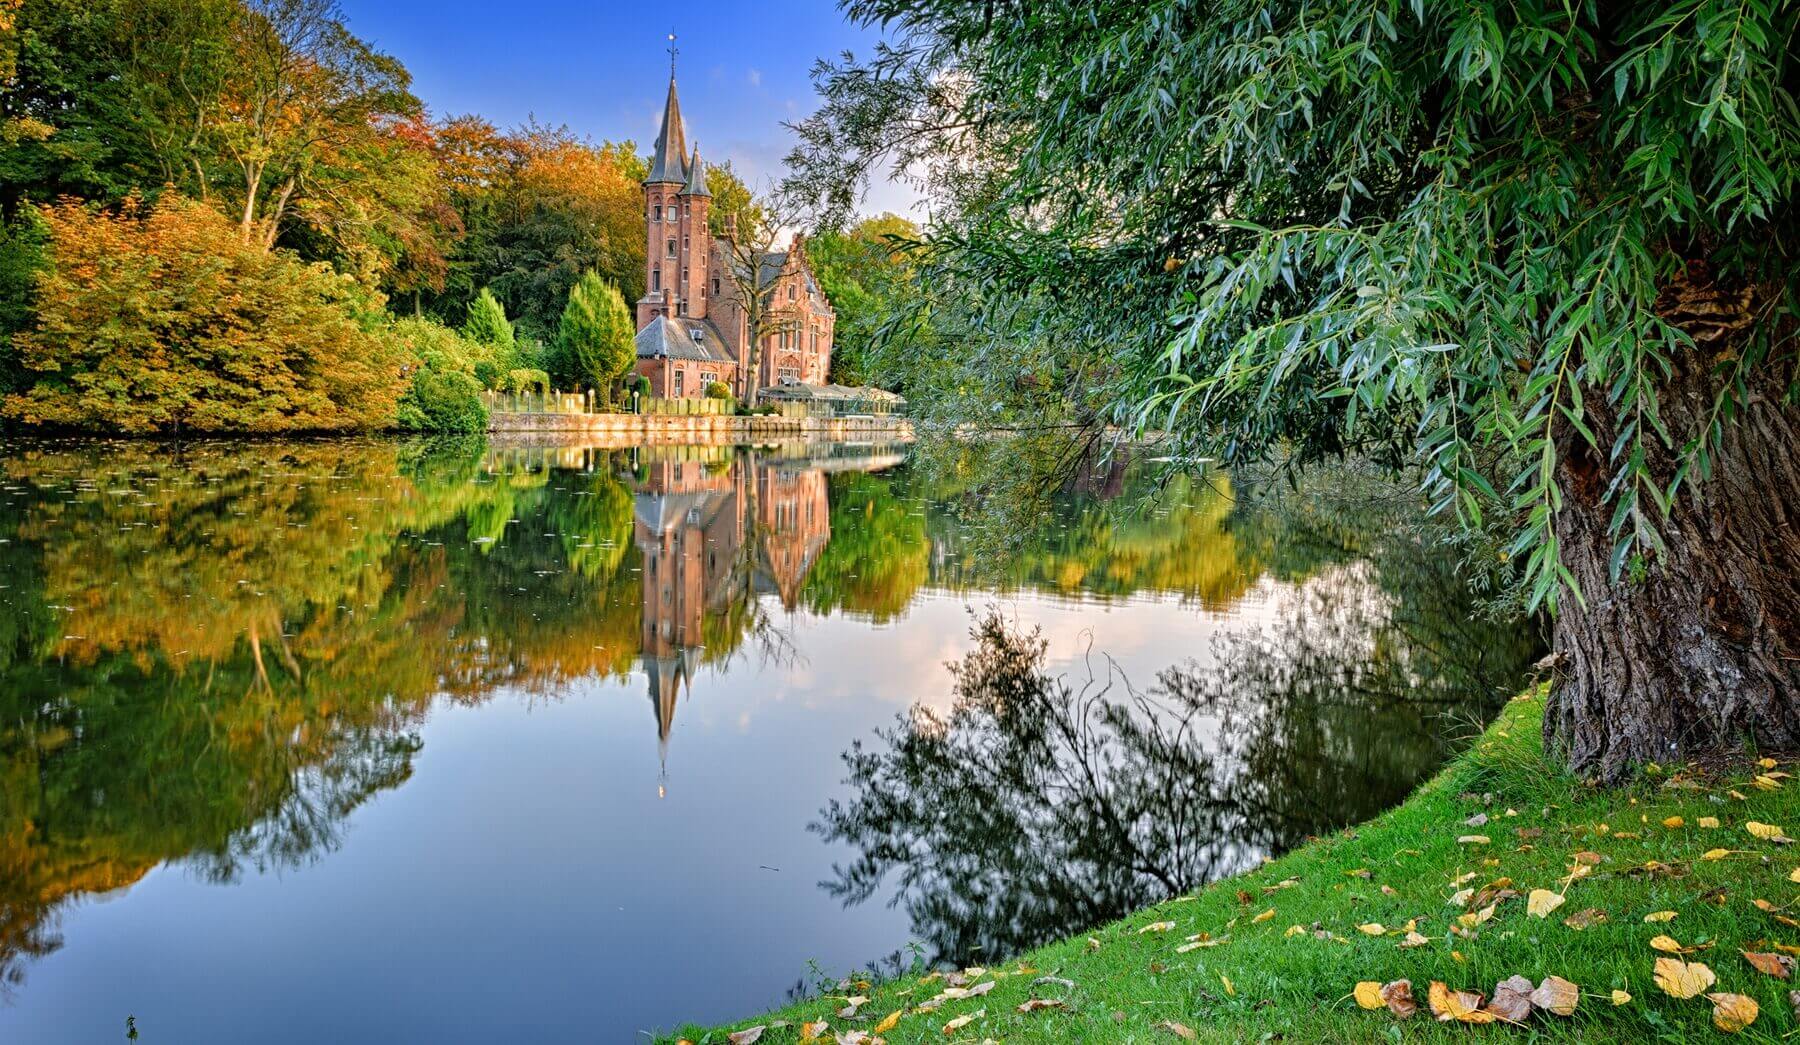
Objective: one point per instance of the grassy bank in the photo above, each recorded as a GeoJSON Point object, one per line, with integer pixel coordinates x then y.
{"type": "Point", "coordinates": [1280, 950]}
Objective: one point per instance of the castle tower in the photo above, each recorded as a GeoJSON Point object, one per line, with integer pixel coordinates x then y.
{"type": "Point", "coordinates": [665, 254]}
{"type": "Point", "coordinates": [696, 202]}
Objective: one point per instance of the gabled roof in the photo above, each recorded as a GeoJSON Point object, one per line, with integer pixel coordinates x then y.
{"type": "Point", "coordinates": [669, 165]}
{"type": "Point", "coordinates": [672, 337]}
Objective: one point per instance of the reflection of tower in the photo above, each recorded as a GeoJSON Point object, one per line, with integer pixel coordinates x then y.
{"type": "Point", "coordinates": [793, 519]}
{"type": "Point", "coordinates": [688, 524]}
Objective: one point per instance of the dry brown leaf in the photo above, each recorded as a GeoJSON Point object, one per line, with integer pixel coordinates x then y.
{"type": "Point", "coordinates": [1667, 945]}
{"type": "Point", "coordinates": [1779, 966]}
{"type": "Point", "coordinates": [1660, 916]}
{"type": "Point", "coordinates": [1558, 995]}
{"type": "Point", "coordinates": [1399, 998]}
{"type": "Point", "coordinates": [888, 1024]}
{"type": "Point", "coordinates": [1589, 857]}
{"type": "Point", "coordinates": [1462, 1006]}
{"type": "Point", "coordinates": [1474, 918]}
{"type": "Point", "coordinates": [1620, 998]}
{"type": "Point", "coordinates": [1041, 1003]}
{"type": "Point", "coordinates": [851, 1005]}
{"type": "Point", "coordinates": [1586, 919]}
{"type": "Point", "coordinates": [963, 1021]}
{"type": "Point", "coordinates": [1732, 1012]}
{"type": "Point", "coordinates": [747, 1036]}
{"type": "Point", "coordinates": [1541, 902]}
{"type": "Point", "coordinates": [812, 1031]}
{"type": "Point", "coordinates": [1368, 994]}
{"type": "Point", "coordinates": [1683, 979]}
{"type": "Point", "coordinates": [1512, 999]}
{"type": "Point", "coordinates": [1414, 939]}
{"type": "Point", "coordinates": [1182, 1031]}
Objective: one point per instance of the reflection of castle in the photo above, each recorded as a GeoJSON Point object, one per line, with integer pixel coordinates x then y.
{"type": "Point", "coordinates": [694, 521]}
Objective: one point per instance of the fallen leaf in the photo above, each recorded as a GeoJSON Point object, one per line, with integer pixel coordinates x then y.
{"type": "Point", "coordinates": [1794, 875]}
{"type": "Point", "coordinates": [1715, 854]}
{"type": "Point", "coordinates": [1794, 1003]}
{"type": "Point", "coordinates": [1589, 857]}
{"type": "Point", "coordinates": [1674, 822]}
{"type": "Point", "coordinates": [1767, 832]}
{"type": "Point", "coordinates": [747, 1036]}
{"type": "Point", "coordinates": [1180, 1030]}
{"type": "Point", "coordinates": [1414, 939]}
{"type": "Point", "coordinates": [1042, 1003]}
{"type": "Point", "coordinates": [1460, 898]}
{"type": "Point", "coordinates": [892, 1021]}
{"type": "Point", "coordinates": [1586, 919]}
{"type": "Point", "coordinates": [1372, 929]}
{"type": "Point", "coordinates": [1767, 763]}
{"type": "Point", "coordinates": [1660, 916]}
{"type": "Point", "coordinates": [1474, 918]}
{"type": "Point", "coordinates": [1156, 927]}
{"type": "Point", "coordinates": [1265, 916]}
{"type": "Point", "coordinates": [1512, 999]}
{"type": "Point", "coordinates": [1666, 944]}
{"type": "Point", "coordinates": [1478, 820]}
{"type": "Point", "coordinates": [811, 1031]}
{"type": "Point", "coordinates": [1093, 944]}
{"type": "Point", "coordinates": [963, 1021]}
{"type": "Point", "coordinates": [851, 1005]}
{"type": "Point", "coordinates": [1620, 997]}
{"type": "Point", "coordinates": [1556, 994]}
{"type": "Point", "coordinates": [1767, 783]}
{"type": "Point", "coordinates": [1541, 902]}
{"type": "Point", "coordinates": [1368, 994]}
{"type": "Point", "coordinates": [1708, 822]}
{"type": "Point", "coordinates": [1732, 1012]}
{"type": "Point", "coordinates": [1779, 966]}
{"type": "Point", "coordinates": [859, 1037]}
{"type": "Point", "coordinates": [1399, 998]}
{"type": "Point", "coordinates": [1462, 1006]}
{"type": "Point", "coordinates": [1683, 979]}
{"type": "Point", "coordinates": [1229, 989]}
{"type": "Point", "coordinates": [1474, 840]}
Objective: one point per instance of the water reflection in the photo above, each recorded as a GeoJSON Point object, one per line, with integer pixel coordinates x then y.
{"type": "Point", "coordinates": [1042, 802]}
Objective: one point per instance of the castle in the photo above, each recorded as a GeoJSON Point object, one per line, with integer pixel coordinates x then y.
{"type": "Point", "coordinates": [693, 324]}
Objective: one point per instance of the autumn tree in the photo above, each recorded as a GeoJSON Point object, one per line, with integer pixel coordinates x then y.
{"type": "Point", "coordinates": [1543, 250]}
{"type": "Point", "coordinates": [596, 339]}
{"type": "Point", "coordinates": [866, 273]}
{"type": "Point", "coordinates": [751, 265]}
{"type": "Point", "coordinates": [162, 319]}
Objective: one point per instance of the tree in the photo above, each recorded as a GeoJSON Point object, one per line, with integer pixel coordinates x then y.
{"type": "Point", "coordinates": [750, 267]}
{"type": "Point", "coordinates": [486, 324]}
{"type": "Point", "coordinates": [596, 340]}
{"type": "Point", "coordinates": [161, 319]}
{"type": "Point", "coordinates": [866, 273]}
{"type": "Point", "coordinates": [1541, 249]}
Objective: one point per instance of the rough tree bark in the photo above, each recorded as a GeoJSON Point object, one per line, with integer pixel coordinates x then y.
{"type": "Point", "coordinates": [1702, 654]}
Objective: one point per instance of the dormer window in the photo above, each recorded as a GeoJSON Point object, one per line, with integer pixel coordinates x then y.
{"type": "Point", "coordinates": [699, 335]}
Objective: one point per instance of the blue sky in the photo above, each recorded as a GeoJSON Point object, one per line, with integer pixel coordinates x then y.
{"type": "Point", "coordinates": [602, 68]}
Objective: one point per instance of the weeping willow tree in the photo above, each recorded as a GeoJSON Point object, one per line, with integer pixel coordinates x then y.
{"type": "Point", "coordinates": [1544, 249]}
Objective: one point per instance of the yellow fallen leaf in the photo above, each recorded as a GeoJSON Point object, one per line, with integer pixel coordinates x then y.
{"type": "Point", "coordinates": [1666, 944]}
{"type": "Point", "coordinates": [963, 1021]}
{"type": "Point", "coordinates": [1373, 929]}
{"type": "Point", "coordinates": [888, 1024]}
{"type": "Point", "coordinates": [747, 1036]}
{"type": "Point", "coordinates": [1414, 939]}
{"type": "Point", "coordinates": [1474, 918]}
{"type": "Point", "coordinates": [1715, 854]}
{"type": "Point", "coordinates": [1683, 979]}
{"type": "Point", "coordinates": [1708, 822]}
{"type": "Point", "coordinates": [1474, 840]}
{"type": "Point", "coordinates": [1739, 795]}
{"type": "Point", "coordinates": [1779, 966]}
{"type": "Point", "coordinates": [1265, 916]}
{"type": "Point", "coordinates": [1794, 875]}
{"type": "Point", "coordinates": [1229, 989]}
{"type": "Point", "coordinates": [1462, 1006]}
{"type": "Point", "coordinates": [1041, 1003]}
{"type": "Point", "coordinates": [1766, 832]}
{"type": "Point", "coordinates": [1660, 916]}
{"type": "Point", "coordinates": [1156, 927]}
{"type": "Point", "coordinates": [1674, 822]}
{"type": "Point", "coordinates": [1541, 902]}
{"type": "Point", "coordinates": [1767, 783]}
{"type": "Point", "coordinates": [1620, 997]}
{"type": "Point", "coordinates": [1458, 955]}
{"type": "Point", "coordinates": [1767, 763]}
{"type": "Point", "coordinates": [1180, 1030]}
{"type": "Point", "coordinates": [812, 1031]}
{"type": "Point", "coordinates": [1295, 930]}
{"type": "Point", "coordinates": [1732, 1012]}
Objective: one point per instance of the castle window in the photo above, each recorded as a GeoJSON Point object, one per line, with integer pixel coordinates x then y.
{"type": "Point", "coordinates": [790, 292]}
{"type": "Point", "coordinates": [715, 284]}
{"type": "Point", "coordinates": [684, 277]}
{"type": "Point", "coordinates": [656, 279]}
{"type": "Point", "coordinates": [655, 213]}
{"type": "Point", "coordinates": [671, 248]}
{"type": "Point", "coordinates": [684, 243]}
{"type": "Point", "coordinates": [700, 336]}
{"type": "Point", "coordinates": [686, 209]}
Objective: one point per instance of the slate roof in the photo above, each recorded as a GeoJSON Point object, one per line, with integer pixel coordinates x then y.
{"type": "Point", "coordinates": [672, 337]}
{"type": "Point", "coordinates": [669, 165]}
{"type": "Point", "coordinates": [696, 179]}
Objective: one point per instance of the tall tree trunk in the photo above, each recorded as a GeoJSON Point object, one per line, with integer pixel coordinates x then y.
{"type": "Point", "coordinates": [1701, 653]}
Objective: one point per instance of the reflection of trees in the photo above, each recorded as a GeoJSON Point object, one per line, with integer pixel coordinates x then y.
{"type": "Point", "coordinates": [1033, 807]}
{"type": "Point", "coordinates": [878, 555]}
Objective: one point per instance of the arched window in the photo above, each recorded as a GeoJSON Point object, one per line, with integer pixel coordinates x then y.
{"type": "Point", "coordinates": [715, 285]}
{"type": "Point", "coordinates": [656, 279]}
{"type": "Point", "coordinates": [656, 213]}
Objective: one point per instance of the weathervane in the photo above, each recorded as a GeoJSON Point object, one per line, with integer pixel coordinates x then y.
{"type": "Point", "coordinates": [672, 53]}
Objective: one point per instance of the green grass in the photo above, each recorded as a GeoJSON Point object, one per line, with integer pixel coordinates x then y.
{"type": "Point", "coordinates": [1297, 988]}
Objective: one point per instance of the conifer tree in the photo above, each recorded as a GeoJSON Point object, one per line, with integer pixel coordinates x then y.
{"type": "Point", "coordinates": [595, 340]}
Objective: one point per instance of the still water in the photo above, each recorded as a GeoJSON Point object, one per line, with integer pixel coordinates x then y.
{"type": "Point", "coordinates": [378, 740]}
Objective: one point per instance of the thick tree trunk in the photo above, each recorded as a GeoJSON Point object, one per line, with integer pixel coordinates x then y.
{"type": "Point", "coordinates": [1701, 653]}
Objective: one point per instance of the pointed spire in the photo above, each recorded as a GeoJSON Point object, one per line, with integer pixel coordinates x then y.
{"type": "Point", "coordinates": [696, 179]}
{"type": "Point", "coordinates": [667, 167]}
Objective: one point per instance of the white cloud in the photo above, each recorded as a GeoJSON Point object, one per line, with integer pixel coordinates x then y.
{"type": "Point", "coordinates": [755, 77]}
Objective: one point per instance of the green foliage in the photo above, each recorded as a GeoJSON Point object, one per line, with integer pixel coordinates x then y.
{"type": "Point", "coordinates": [718, 390]}
{"type": "Point", "coordinates": [1463, 234]}
{"type": "Point", "coordinates": [22, 259]}
{"type": "Point", "coordinates": [868, 277]}
{"type": "Point", "coordinates": [445, 393]}
{"type": "Point", "coordinates": [596, 339]}
{"type": "Point", "coordinates": [487, 325]}
{"type": "Point", "coordinates": [162, 319]}
{"type": "Point", "coordinates": [526, 380]}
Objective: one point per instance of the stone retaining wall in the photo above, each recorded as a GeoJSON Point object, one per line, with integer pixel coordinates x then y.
{"type": "Point", "coordinates": [642, 429]}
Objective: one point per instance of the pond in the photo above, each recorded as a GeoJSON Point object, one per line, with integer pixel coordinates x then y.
{"type": "Point", "coordinates": [454, 741]}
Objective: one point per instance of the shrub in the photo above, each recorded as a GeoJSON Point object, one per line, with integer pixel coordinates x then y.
{"type": "Point", "coordinates": [718, 390]}
{"type": "Point", "coordinates": [162, 319]}
{"type": "Point", "coordinates": [443, 401]}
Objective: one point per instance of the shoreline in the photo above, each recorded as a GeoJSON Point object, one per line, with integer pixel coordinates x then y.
{"type": "Point", "coordinates": [1434, 890]}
